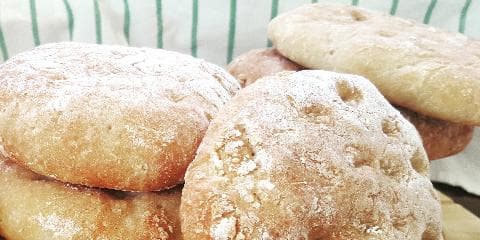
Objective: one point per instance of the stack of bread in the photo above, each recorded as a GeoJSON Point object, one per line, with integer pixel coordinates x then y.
{"type": "Point", "coordinates": [89, 132]}
{"type": "Point", "coordinates": [431, 76]}
{"type": "Point", "coordinates": [95, 139]}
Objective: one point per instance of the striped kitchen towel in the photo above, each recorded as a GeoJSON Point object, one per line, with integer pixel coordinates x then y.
{"type": "Point", "coordinates": [216, 30]}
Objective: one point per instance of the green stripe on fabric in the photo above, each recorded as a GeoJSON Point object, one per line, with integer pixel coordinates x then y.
{"type": "Point", "coordinates": [33, 16]}
{"type": "Point", "coordinates": [193, 40]}
{"type": "Point", "coordinates": [126, 21]}
{"type": "Point", "coordinates": [393, 8]}
{"type": "Point", "coordinates": [314, 1]}
{"type": "Point", "coordinates": [70, 19]}
{"type": "Point", "coordinates": [273, 14]}
{"type": "Point", "coordinates": [355, 2]}
{"type": "Point", "coordinates": [3, 45]}
{"type": "Point", "coordinates": [463, 16]}
{"type": "Point", "coordinates": [98, 22]}
{"type": "Point", "coordinates": [428, 13]}
{"type": "Point", "coordinates": [159, 24]}
{"type": "Point", "coordinates": [231, 30]}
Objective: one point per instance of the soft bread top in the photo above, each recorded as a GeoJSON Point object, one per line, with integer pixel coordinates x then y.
{"type": "Point", "coordinates": [108, 116]}
{"type": "Point", "coordinates": [310, 155]}
{"type": "Point", "coordinates": [430, 71]}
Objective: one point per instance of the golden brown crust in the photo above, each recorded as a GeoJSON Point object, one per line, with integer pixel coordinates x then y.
{"type": "Point", "coordinates": [108, 116]}
{"type": "Point", "coordinates": [428, 70]}
{"type": "Point", "coordinates": [34, 207]}
{"type": "Point", "coordinates": [440, 138]}
{"type": "Point", "coordinates": [258, 63]}
{"type": "Point", "coordinates": [310, 155]}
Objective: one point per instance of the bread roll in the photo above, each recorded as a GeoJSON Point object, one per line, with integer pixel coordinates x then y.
{"type": "Point", "coordinates": [430, 71]}
{"type": "Point", "coordinates": [33, 207]}
{"type": "Point", "coordinates": [440, 138]}
{"type": "Point", "coordinates": [310, 155]}
{"type": "Point", "coordinates": [257, 63]}
{"type": "Point", "coordinates": [108, 116]}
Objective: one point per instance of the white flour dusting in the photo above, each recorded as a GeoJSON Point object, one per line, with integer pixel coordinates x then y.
{"type": "Point", "coordinates": [59, 226]}
{"type": "Point", "coordinates": [224, 229]}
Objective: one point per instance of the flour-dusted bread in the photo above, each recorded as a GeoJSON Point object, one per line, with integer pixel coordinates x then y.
{"type": "Point", "coordinates": [310, 155]}
{"type": "Point", "coordinates": [33, 207]}
{"type": "Point", "coordinates": [430, 71]}
{"type": "Point", "coordinates": [257, 63]}
{"type": "Point", "coordinates": [440, 138]}
{"type": "Point", "coordinates": [108, 116]}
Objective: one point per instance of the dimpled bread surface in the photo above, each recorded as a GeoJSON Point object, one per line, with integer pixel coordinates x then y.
{"type": "Point", "coordinates": [440, 138]}
{"type": "Point", "coordinates": [34, 207]}
{"type": "Point", "coordinates": [310, 155]}
{"type": "Point", "coordinates": [427, 70]}
{"type": "Point", "coordinates": [108, 116]}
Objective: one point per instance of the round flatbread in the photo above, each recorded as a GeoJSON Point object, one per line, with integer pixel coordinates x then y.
{"type": "Point", "coordinates": [310, 155]}
{"type": "Point", "coordinates": [427, 70]}
{"type": "Point", "coordinates": [108, 116]}
{"type": "Point", "coordinates": [33, 207]}
{"type": "Point", "coordinates": [440, 138]}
